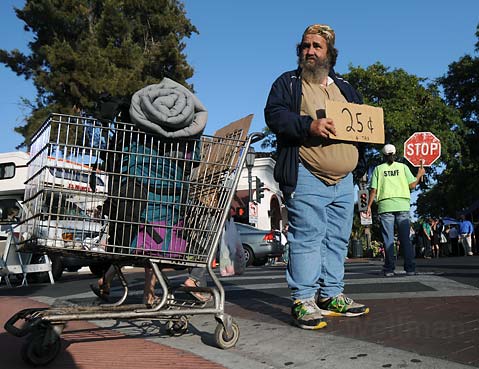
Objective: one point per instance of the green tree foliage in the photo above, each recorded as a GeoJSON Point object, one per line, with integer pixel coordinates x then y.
{"type": "Point", "coordinates": [410, 105]}
{"type": "Point", "coordinates": [458, 185]}
{"type": "Point", "coordinates": [84, 48]}
{"type": "Point", "coordinates": [269, 141]}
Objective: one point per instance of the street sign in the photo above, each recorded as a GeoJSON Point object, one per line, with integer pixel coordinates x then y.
{"type": "Point", "coordinates": [422, 148]}
{"type": "Point", "coordinates": [253, 212]}
{"type": "Point", "coordinates": [365, 219]}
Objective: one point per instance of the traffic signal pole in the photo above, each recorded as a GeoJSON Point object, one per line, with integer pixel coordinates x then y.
{"type": "Point", "coordinates": [250, 192]}
{"type": "Point", "coordinates": [250, 158]}
{"type": "Point", "coordinates": [363, 186]}
{"type": "Point", "coordinates": [259, 190]}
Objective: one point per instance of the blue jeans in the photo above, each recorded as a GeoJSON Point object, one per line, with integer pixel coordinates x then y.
{"type": "Point", "coordinates": [401, 219]}
{"type": "Point", "coordinates": [320, 219]}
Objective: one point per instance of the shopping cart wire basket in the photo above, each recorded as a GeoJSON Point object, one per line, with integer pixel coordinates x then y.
{"type": "Point", "coordinates": [111, 191]}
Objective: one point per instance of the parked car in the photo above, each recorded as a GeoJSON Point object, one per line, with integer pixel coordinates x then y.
{"type": "Point", "coordinates": [259, 244]}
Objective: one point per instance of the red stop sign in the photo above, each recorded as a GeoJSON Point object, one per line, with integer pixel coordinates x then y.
{"type": "Point", "coordinates": [422, 147]}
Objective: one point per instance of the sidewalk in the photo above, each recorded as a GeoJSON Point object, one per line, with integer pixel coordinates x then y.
{"type": "Point", "coordinates": [443, 328]}
{"type": "Point", "coordinates": [428, 322]}
{"type": "Point", "coordinates": [88, 346]}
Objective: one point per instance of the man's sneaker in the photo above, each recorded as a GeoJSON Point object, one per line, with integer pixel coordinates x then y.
{"type": "Point", "coordinates": [341, 305]}
{"type": "Point", "coordinates": [411, 273]}
{"type": "Point", "coordinates": [307, 315]}
{"type": "Point", "coordinates": [389, 274]}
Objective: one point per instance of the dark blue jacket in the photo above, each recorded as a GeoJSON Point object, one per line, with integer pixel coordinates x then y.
{"type": "Point", "coordinates": [282, 115]}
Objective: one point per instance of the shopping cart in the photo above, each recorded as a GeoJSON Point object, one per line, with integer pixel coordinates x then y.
{"type": "Point", "coordinates": [113, 192]}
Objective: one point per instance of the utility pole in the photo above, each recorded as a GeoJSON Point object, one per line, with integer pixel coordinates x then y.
{"type": "Point", "coordinates": [250, 157]}
{"type": "Point", "coordinates": [363, 188]}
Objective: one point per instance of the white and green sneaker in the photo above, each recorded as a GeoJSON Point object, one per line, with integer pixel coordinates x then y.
{"type": "Point", "coordinates": [341, 305]}
{"type": "Point", "coordinates": [307, 315]}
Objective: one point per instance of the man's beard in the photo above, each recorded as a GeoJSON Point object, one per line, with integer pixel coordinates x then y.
{"type": "Point", "coordinates": [315, 72]}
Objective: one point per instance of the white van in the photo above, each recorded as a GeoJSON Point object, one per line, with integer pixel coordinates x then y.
{"type": "Point", "coordinates": [76, 223]}
{"type": "Point", "coordinates": [13, 174]}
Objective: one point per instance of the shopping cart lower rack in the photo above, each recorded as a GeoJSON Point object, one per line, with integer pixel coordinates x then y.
{"type": "Point", "coordinates": [111, 191]}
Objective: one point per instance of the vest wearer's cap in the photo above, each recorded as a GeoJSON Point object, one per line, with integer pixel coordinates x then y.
{"type": "Point", "coordinates": [389, 149]}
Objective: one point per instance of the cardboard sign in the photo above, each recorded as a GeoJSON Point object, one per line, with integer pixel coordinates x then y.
{"type": "Point", "coordinates": [357, 123]}
{"type": "Point", "coordinates": [237, 129]}
{"type": "Point", "coordinates": [217, 158]}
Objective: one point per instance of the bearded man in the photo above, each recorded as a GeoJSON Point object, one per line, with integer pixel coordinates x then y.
{"type": "Point", "coordinates": [315, 174]}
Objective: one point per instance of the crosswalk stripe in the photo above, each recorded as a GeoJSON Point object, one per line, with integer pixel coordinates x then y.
{"type": "Point", "coordinates": [274, 279]}
{"type": "Point", "coordinates": [441, 286]}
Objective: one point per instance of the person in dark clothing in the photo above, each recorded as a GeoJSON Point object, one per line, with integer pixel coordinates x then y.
{"type": "Point", "coordinates": [435, 237]}
{"type": "Point", "coordinates": [426, 237]}
{"type": "Point", "coordinates": [315, 175]}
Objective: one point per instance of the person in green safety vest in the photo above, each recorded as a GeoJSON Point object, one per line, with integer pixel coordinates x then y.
{"type": "Point", "coordinates": [391, 185]}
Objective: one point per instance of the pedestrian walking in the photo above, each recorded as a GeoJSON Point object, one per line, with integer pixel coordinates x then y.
{"type": "Point", "coordinates": [427, 236]}
{"type": "Point", "coordinates": [453, 236]}
{"type": "Point", "coordinates": [436, 237]}
{"type": "Point", "coordinates": [466, 231]}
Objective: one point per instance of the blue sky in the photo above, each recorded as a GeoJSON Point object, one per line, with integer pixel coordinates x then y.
{"type": "Point", "coordinates": [243, 46]}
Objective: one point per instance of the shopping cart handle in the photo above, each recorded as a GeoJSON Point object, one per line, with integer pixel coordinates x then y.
{"type": "Point", "coordinates": [26, 328]}
{"type": "Point", "coordinates": [256, 137]}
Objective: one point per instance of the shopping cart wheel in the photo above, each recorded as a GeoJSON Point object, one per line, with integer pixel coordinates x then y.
{"type": "Point", "coordinates": [177, 326]}
{"type": "Point", "coordinates": [39, 350]}
{"type": "Point", "coordinates": [223, 340]}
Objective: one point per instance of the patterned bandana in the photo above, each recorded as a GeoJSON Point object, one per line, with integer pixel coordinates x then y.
{"type": "Point", "coordinates": [322, 30]}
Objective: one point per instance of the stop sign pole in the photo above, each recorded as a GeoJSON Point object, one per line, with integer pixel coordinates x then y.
{"type": "Point", "coordinates": [422, 149]}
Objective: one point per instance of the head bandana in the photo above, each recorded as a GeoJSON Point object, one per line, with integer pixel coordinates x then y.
{"type": "Point", "coordinates": [322, 30]}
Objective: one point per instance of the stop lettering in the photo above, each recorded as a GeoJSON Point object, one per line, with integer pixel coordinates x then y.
{"type": "Point", "coordinates": [422, 148]}
{"type": "Point", "coordinates": [416, 149]}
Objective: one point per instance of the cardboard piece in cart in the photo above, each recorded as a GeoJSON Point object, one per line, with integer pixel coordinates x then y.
{"type": "Point", "coordinates": [223, 156]}
{"type": "Point", "coordinates": [356, 122]}
{"type": "Point", "coordinates": [237, 130]}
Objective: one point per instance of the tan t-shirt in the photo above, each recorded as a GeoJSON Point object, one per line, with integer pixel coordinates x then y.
{"type": "Point", "coordinates": [329, 160]}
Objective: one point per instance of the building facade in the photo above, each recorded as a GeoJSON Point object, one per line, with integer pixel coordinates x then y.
{"type": "Point", "coordinates": [271, 213]}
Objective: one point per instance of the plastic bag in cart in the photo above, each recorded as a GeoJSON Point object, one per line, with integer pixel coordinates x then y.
{"type": "Point", "coordinates": [232, 258]}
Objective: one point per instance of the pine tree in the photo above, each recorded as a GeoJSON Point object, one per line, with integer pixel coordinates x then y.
{"type": "Point", "coordinates": [82, 49]}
